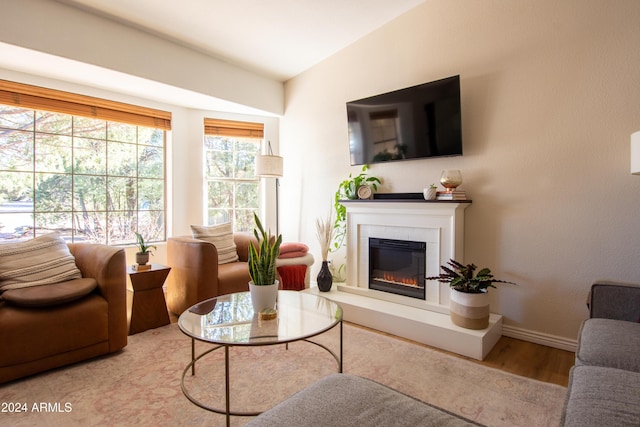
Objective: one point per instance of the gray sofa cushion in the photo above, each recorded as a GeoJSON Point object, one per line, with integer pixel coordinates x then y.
{"type": "Point", "coordinates": [600, 397]}
{"type": "Point", "coordinates": [348, 400]}
{"type": "Point", "coordinates": [615, 300]}
{"type": "Point", "coordinates": [609, 343]}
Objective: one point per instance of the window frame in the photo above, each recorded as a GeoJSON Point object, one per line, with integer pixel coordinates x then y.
{"type": "Point", "coordinates": [37, 99]}
{"type": "Point", "coordinates": [235, 130]}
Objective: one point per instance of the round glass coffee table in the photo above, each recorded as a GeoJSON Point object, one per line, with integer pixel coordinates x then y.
{"type": "Point", "coordinates": [229, 321]}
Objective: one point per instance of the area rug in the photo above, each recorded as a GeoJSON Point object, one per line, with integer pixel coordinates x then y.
{"type": "Point", "coordinates": [140, 386]}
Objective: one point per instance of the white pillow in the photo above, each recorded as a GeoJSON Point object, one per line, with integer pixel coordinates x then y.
{"type": "Point", "coordinates": [222, 238]}
{"type": "Point", "coordinates": [44, 260]}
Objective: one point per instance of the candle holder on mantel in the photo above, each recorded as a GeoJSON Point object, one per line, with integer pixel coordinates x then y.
{"type": "Point", "coordinates": [451, 179]}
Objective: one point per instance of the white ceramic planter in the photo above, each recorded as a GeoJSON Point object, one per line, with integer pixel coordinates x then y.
{"type": "Point", "coordinates": [430, 193]}
{"type": "Point", "coordinates": [470, 311]}
{"type": "Point", "coordinates": [263, 296]}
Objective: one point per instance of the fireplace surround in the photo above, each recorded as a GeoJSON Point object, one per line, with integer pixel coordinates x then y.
{"type": "Point", "coordinates": [439, 225]}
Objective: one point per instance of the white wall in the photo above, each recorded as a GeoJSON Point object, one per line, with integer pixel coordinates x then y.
{"type": "Point", "coordinates": [550, 94]}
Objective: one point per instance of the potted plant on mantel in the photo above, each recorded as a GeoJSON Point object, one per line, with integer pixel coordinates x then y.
{"type": "Point", "coordinates": [469, 300]}
{"type": "Point", "coordinates": [142, 256]}
{"type": "Point", "coordinates": [262, 269]}
{"type": "Point", "coordinates": [348, 190]}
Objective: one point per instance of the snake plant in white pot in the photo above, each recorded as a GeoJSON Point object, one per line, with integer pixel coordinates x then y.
{"type": "Point", "coordinates": [262, 269]}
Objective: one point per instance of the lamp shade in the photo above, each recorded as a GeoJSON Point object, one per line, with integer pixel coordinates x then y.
{"type": "Point", "coordinates": [269, 166]}
{"type": "Point", "coordinates": [635, 153]}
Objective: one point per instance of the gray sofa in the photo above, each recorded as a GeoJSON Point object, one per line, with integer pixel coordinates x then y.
{"type": "Point", "coordinates": [604, 384]}
{"type": "Point", "coordinates": [348, 400]}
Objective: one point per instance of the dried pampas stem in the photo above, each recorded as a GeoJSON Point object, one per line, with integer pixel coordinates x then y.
{"type": "Point", "coordinates": [324, 231]}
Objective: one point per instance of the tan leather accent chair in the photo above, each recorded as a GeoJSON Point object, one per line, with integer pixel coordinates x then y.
{"type": "Point", "coordinates": [196, 275]}
{"type": "Point", "coordinates": [36, 339]}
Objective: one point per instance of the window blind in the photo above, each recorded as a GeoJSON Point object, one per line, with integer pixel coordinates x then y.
{"type": "Point", "coordinates": [39, 98]}
{"type": "Point", "coordinates": [233, 128]}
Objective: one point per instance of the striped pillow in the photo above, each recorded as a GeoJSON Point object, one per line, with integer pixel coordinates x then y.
{"type": "Point", "coordinates": [222, 238]}
{"type": "Point", "coordinates": [44, 260]}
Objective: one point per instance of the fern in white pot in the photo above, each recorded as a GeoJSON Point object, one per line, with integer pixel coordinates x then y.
{"type": "Point", "coordinates": [469, 300]}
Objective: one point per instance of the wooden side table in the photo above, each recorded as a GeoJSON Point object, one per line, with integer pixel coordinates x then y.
{"type": "Point", "coordinates": [146, 299]}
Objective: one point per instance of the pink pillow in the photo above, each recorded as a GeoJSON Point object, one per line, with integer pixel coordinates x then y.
{"type": "Point", "coordinates": [295, 254]}
{"type": "Point", "coordinates": [293, 247]}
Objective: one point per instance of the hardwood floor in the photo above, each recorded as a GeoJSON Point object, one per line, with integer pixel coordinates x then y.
{"type": "Point", "coordinates": [530, 360]}
{"type": "Point", "coordinates": [524, 358]}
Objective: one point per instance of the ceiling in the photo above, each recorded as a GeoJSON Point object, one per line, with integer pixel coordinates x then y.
{"type": "Point", "coordinates": [276, 38]}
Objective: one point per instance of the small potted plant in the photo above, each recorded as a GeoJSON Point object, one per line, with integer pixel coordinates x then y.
{"type": "Point", "coordinates": [469, 300]}
{"type": "Point", "coordinates": [262, 269]}
{"type": "Point", "coordinates": [142, 256]}
{"type": "Point", "coordinates": [430, 192]}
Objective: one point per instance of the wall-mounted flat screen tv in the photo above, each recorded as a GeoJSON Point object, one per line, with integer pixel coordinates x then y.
{"type": "Point", "coordinates": [413, 123]}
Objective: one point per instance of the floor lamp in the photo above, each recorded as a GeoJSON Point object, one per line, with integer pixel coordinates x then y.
{"type": "Point", "coordinates": [270, 166]}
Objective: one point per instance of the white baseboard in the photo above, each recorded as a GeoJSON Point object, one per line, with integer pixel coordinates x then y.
{"type": "Point", "coordinates": [539, 338]}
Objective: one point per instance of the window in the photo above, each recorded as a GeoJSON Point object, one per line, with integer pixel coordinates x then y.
{"type": "Point", "coordinates": [231, 186]}
{"type": "Point", "coordinates": [92, 170]}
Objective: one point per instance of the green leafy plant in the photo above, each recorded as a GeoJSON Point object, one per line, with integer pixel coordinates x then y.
{"type": "Point", "coordinates": [262, 260]}
{"type": "Point", "coordinates": [144, 248]}
{"type": "Point", "coordinates": [462, 278]}
{"type": "Point", "coordinates": [348, 190]}
{"type": "Point", "coordinates": [433, 186]}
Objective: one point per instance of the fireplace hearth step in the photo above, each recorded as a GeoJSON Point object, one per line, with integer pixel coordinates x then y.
{"type": "Point", "coordinates": [423, 326]}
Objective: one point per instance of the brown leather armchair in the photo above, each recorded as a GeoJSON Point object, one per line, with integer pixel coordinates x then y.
{"type": "Point", "coordinates": [195, 274]}
{"type": "Point", "coordinates": [35, 339]}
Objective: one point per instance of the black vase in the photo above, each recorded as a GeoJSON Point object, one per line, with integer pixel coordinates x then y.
{"type": "Point", "coordinates": [324, 278]}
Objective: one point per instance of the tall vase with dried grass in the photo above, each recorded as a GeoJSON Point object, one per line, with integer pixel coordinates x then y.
{"type": "Point", "coordinates": [324, 232]}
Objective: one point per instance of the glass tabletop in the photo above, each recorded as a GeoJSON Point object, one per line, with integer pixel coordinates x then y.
{"type": "Point", "coordinates": [229, 319]}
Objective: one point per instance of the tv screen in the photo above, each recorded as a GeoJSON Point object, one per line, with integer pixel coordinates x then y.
{"type": "Point", "coordinates": [413, 123]}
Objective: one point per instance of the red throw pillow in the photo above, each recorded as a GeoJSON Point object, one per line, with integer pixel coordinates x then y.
{"type": "Point", "coordinates": [292, 277]}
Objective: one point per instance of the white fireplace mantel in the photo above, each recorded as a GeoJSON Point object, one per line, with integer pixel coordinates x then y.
{"type": "Point", "coordinates": [440, 224]}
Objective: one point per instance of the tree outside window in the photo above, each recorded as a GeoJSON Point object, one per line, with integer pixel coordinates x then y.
{"type": "Point", "coordinates": [88, 179]}
{"type": "Point", "coordinates": [231, 185]}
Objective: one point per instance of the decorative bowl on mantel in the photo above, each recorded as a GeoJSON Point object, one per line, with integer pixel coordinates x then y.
{"type": "Point", "coordinates": [451, 179]}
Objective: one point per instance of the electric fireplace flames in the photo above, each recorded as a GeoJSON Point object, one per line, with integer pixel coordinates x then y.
{"type": "Point", "coordinates": [397, 266]}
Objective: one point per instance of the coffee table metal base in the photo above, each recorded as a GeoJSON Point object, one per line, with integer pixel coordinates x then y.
{"type": "Point", "coordinates": [227, 410]}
